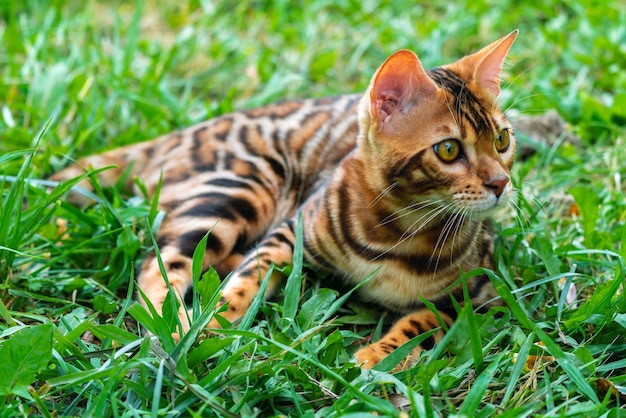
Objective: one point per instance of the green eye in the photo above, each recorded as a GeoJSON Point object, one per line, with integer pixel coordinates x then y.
{"type": "Point", "coordinates": [448, 150]}
{"type": "Point", "coordinates": [503, 140]}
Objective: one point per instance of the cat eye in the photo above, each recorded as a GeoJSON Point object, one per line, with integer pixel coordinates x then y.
{"type": "Point", "coordinates": [448, 150]}
{"type": "Point", "coordinates": [503, 140]}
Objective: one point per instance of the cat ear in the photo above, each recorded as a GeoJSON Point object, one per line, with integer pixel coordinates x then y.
{"type": "Point", "coordinates": [490, 60]}
{"type": "Point", "coordinates": [397, 85]}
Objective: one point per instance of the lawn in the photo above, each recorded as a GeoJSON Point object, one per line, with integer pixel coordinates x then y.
{"type": "Point", "coordinates": [77, 77]}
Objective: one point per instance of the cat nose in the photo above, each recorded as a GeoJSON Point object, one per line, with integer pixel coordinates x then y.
{"type": "Point", "coordinates": [497, 185]}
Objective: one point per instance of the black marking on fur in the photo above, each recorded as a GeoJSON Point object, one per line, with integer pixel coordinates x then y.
{"type": "Point", "coordinates": [221, 205]}
{"type": "Point", "coordinates": [188, 242]}
{"type": "Point", "coordinates": [229, 183]}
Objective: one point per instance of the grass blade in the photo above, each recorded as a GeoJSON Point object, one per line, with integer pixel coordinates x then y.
{"type": "Point", "coordinates": [570, 368]}
{"type": "Point", "coordinates": [516, 372]}
{"type": "Point", "coordinates": [474, 334]}
{"type": "Point", "coordinates": [156, 392]}
{"type": "Point", "coordinates": [325, 369]}
{"type": "Point", "coordinates": [475, 396]}
{"type": "Point", "coordinates": [294, 281]}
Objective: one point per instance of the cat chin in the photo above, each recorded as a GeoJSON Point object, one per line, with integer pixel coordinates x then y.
{"type": "Point", "coordinates": [485, 209]}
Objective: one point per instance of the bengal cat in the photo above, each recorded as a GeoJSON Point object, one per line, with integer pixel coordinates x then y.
{"type": "Point", "coordinates": [399, 182]}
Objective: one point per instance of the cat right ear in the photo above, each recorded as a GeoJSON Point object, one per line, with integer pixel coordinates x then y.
{"type": "Point", "coordinates": [397, 85]}
{"type": "Point", "coordinates": [489, 64]}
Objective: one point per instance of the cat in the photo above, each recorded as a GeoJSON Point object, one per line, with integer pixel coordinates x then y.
{"type": "Point", "coordinates": [399, 182]}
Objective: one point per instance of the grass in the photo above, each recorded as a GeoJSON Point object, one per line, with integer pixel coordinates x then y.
{"type": "Point", "coordinates": [81, 77]}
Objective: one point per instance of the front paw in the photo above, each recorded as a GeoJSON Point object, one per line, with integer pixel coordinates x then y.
{"type": "Point", "coordinates": [369, 356]}
{"type": "Point", "coordinates": [230, 313]}
{"type": "Point", "coordinates": [213, 324]}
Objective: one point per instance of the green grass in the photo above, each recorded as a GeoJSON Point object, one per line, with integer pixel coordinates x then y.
{"type": "Point", "coordinates": [81, 77]}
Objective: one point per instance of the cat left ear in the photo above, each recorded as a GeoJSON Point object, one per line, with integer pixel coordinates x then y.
{"type": "Point", "coordinates": [397, 85]}
{"type": "Point", "coordinates": [490, 60]}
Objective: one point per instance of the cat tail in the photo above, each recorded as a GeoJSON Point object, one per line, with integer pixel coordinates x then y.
{"type": "Point", "coordinates": [117, 167]}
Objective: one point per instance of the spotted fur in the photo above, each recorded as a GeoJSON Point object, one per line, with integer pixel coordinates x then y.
{"type": "Point", "coordinates": [399, 182]}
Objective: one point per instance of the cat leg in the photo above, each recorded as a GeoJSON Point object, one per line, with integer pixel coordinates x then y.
{"type": "Point", "coordinates": [483, 297]}
{"type": "Point", "coordinates": [177, 241]}
{"type": "Point", "coordinates": [154, 287]}
{"type": "Point", "coordinates": [244, 284]}
{"type": "Point", "coordinates": [402, 331]}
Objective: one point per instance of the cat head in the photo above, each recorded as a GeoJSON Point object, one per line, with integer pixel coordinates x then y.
{"type": "Point", "coordinates": [438, 134]}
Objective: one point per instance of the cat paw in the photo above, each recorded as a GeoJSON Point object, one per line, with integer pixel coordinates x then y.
{"type": "Point", "coordinates": [213, 324]}
{"type": "Point", "coordinates": [369, 356]}
{"type": "Point", "coordinates": [231, 313]}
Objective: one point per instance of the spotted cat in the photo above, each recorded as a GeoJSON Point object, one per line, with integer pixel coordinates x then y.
{"type": "Point", "coordinates": [399, 181]}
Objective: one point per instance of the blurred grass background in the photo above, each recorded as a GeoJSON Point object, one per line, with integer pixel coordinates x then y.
{"type": "Point", "coordinates": [118, 72]}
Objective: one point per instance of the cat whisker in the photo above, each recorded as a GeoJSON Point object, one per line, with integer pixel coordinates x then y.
{"type": "Point", "coordinates": [430, 215]}
{"type": "Point", "coordinates": [408, 210]}
{"type": "Point", "coordinates": [455, 117]}
{"type": "Point", "coordinates": [434, 214]}
{"type": "Point", "coordinates": [383, 193]}
{"type": "Point", "coordinates": [466, 215]}
{"type": "Point", "coordinates": [441, 241]}
{"type": "Point", "coordinates": [454, 222]}
{"type": "Point", "coordinates": [521, 220]}
{"type": "Point", "coordinates": [510, 83]}
{"type": "Point", "coordinates": [521, 99]}
{"type": "Point", "coordinates": [457, 232]}
{"type": "Point", "coordinates": [519, 214]}
{"type": "Point", "coordinates": [529, 197]}
{"type": "Point", "coordinates": [460, 105]}
{"type": "Point", "coordinates": [444, 230]}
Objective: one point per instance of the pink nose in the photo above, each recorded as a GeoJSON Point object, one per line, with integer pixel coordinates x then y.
{"type": "Point", "coordinates": [497, 185]}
